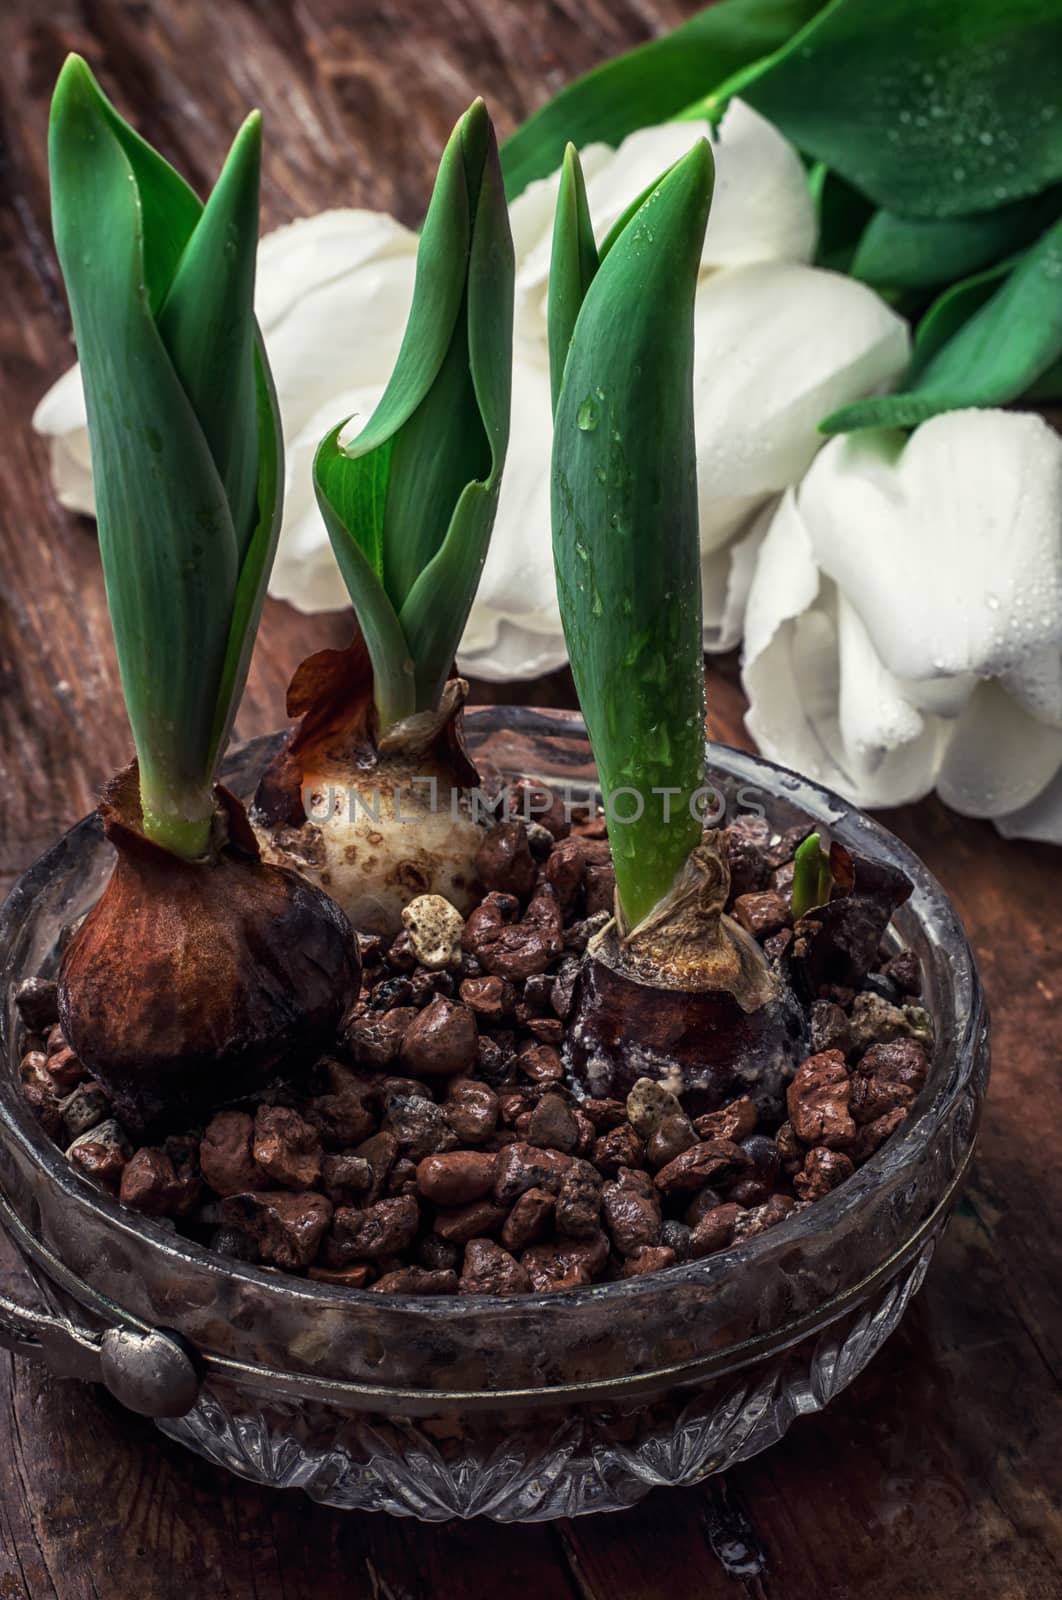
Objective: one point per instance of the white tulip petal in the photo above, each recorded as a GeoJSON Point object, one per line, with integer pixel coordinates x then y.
{"type": "Point", "coordinates": [514, 652]}
{"type": "Point", "coordinates": [60, 417]}
{"type": "Point", "coordinates": [1036, 684]}
{"type": "Point", "coordinates": [62, 409]}
{"type": "Point", "coordinates": [999, 758]}
{"type": "Point", "coordinates": [761, 205]}
{"type": "Point", "coordinates": [778, 346]}
{"type": "Point", "coordinates": [1040, 819]}
{"type": "Point", "coordinates": [726, 578]}
{"type": "Point", "coordinates": [518, 586]}
{"type": "Point", "coordinates": [947, 546]}
{"type": "Point", "coordinates": [819, 699]}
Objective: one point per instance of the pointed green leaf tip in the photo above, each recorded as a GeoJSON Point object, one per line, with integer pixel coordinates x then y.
{"type": "Point", "coordinates": [183, 428]}
{"type": "Point", "coordinates": [812, 877]}
{"type": "Point", "coordinates": [625, 528]}
{"type": "Point", "coordinates": [409, 503]}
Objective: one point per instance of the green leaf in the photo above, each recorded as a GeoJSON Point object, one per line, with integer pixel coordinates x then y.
{"type": "Point", "coordinates": [625, 529]}
{"type": "Point", "coordinates": [410, 502]}
{"type": "Point", "coordinates": [812, 877]}
{"type": "Point", "coordinates": [650, 84]}
{"type": "Point", "coordinates": [951, 310]}
{"type": "Point", "coordinates": [349, 501]}
{"type": "Point", "coordinates": [184, 601]}
{"type": "Point", "coordinates": [166, 537]}
{"type": "Point", "coordinates": [258, 561]}
{"type": "Point", "coordinates": [993, 358]}
{"type": "Point", "coordinates": [843, 214]}
{"type": "Point", "coordinates": [572, 265]}
{"type": "Point", "coordinates": [207, 324]}
{"type": "Point", "coordinates": [932, 108]}
{"type": "Point", "coordinates": [922, 253]}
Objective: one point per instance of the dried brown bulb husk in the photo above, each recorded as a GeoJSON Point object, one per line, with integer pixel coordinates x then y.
{"type": "Point", "coordinates": [194, 983]}
{"type": "Point", "coordinates": [375, 821]}
{"type": "Point", "coordinates": [687, 998]}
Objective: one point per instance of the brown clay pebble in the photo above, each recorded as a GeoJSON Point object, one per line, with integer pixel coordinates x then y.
{"type": "Point", "coordinates": [529, 1221]}
{"type": "Point", "coordinates": [457, 1178]}
{"type": "Point", "coordinates": [471, 1109]}
{"type": "Point", "coordinates": [900, 1061]}
{"type": "Point", "coordinates": [714, 1231]}
{"type": "Point", "coordinates": [150, 1184]}
{"type": "Point", "coordinates": [65, 1070]}
{"type": "Point", "coordinates": [761, 914]}
{"type": "Point", "coordinates": [286, 1147]}
{"type": "Point", "coordinates": [817, 1100]}
{"type": "Point", "coordinates": [504, 861]}
{"type": "Point", "coordinates": [552, 1125]}
{"type": "Point", "coordinates": [599, 884]}
{"type": "Point", "coordinates": [735, 1121]}
{"type": "Point", "coordinates": [102, 1153]}
{"type": "Point", "coordinates": [226, 1155]}
{"type": "Point", "coordinates": [760, 1218]}
{"type": "Point", "coordinates": [416, 1280]}
{"type": "Point", "coordinates": [620, 1147]}
{"type": "Point", "coordinates": [873, 1097]}
{"type": "Point", "coordinates": [441, 1042]}
{"type": "Point", "coordinates": [374, 1038]}
{"type": "Point", "coordinates": [501, 945]}
{"type": "Point", "coordinates": [564, 870]}
{"type": "Point", "coordinates": [357, 1276]}
{"type": "Point", "coordinates": [550, 1030]}
{"type": "Point", "coordinates": [488, 1269]}
{"type": "Point", "coordinates": [419, 1126]}
{"type": "Point", "coordinates": [674, 1135]}
{"type": "Point", "coordinates": [342, 1115]}
{"type": "Point", "coordinates": [823, 1170]}
{"type": "Point", "coordinates": [491, 998]}
{"type": "Point", "coordinates": [288, 1228]}
{"type": "Point", "coordinates": [541, 1063]}
{"type": "Point", "coordinates": [38, 1003]}
{"type": "Point", "coordinates": [632, 1211]}
{"type": "Point", "coordinates": [523, 1166]}
{"type": "Point", "coordinates": [565, 1264]}
{"type": "Point", "coordinates": [789, 1149]}
{"type": "Point", "coordinates": [604, 1114]}
{"type": "Point", "coordinates": [345, 1174]}
{"type": "Point", "coordinates": [380, 1230]}
{"type": "Point", "coordinates": [470, 1222]}
{"type": "Point", "coordinates": [650, 1258]}
{"type": "Point", "coordinates": [380, 1152]}
{"type": "Point", "coordinates": [579, 1201]}
{"type": "Point", "coordinates": [715, 1161]}
{"type": "Point", "coordinates": [872, 1135]}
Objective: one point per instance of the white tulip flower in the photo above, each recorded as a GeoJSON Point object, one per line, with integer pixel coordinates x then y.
{"type": "Point", "coordinates": [779, 344]}
{"type": "Point", "coordinates": [904, 622]}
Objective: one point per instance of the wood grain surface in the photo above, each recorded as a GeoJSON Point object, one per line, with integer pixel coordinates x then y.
{"type": "Point", "coordinates": [937, 1474]}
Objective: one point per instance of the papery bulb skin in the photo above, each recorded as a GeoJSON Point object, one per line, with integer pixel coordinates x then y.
{"type": "Point", "coordinates": [195, 983]}
{"type": "Point", "coordinates": [375, 822]}
{"type": "Point", "coordinates": [702, 1046]}
{"type": "Point", "coordinates": [686, 998]}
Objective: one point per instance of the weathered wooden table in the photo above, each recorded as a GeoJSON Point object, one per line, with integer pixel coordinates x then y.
{"type": "Point", "coordinates": [937, 1473]}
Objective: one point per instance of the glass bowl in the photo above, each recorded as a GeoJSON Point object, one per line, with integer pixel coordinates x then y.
{"type": "Point", "coordinates": [520, 1408]}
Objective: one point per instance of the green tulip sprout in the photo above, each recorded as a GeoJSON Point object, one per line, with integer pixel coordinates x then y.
{"type": "Point", "coordinates": [186, 455]}
{"type": "Point", "coordinates": [202, 973]}
{"type": "Point", "coordinates": [409, 504]}
{"type": "Point", "coordinates": [625, 522]}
